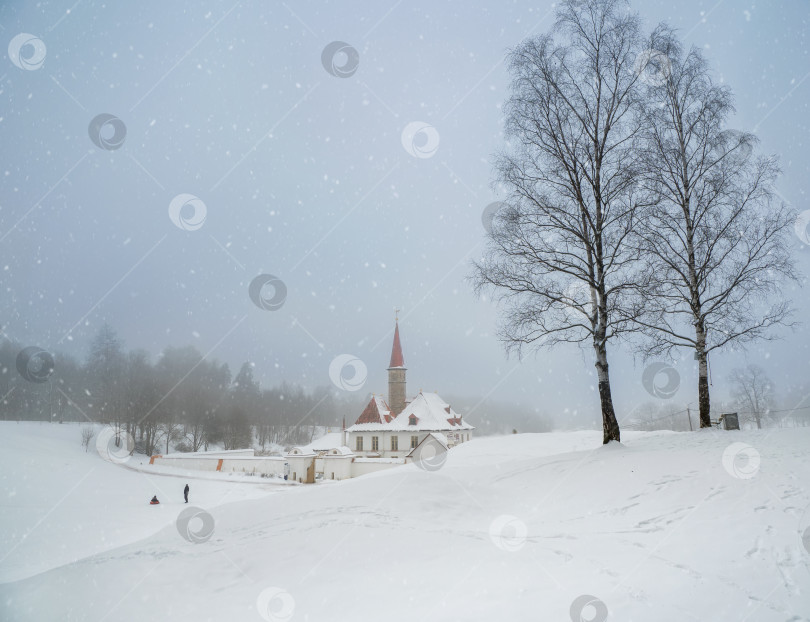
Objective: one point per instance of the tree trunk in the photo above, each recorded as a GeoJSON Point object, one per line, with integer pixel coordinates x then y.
{"type": "Point", "coordinates": [610, 426]}
{"type": "Point", "coordinates": [703, 395]}
{"type": "Point", "coordinates": [703, 379]}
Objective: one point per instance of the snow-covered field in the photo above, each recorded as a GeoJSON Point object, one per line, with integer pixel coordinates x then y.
{"type": "Point", "coordinates": [61, 504]}
{"type": "Point", "coordinates": [664, 527]}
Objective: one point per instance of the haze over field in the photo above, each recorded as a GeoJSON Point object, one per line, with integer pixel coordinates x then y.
{"type": "Point", "coordinates": [305, 176]}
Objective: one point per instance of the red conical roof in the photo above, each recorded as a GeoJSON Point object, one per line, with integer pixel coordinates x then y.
{"type": "Point", "coordinates": [397, 360]}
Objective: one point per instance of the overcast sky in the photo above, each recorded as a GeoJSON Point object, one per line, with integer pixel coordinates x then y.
{"type": "Point", "coordinates": [305, 176]}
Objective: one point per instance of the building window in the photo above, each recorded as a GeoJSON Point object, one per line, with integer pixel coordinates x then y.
{"type": "Point", "coordinates": [412, 420]}
{"type": "Point", "coordinates": [375, 443]}
{"type": "Point", "coordinates": [394, 443]}
{"type": "Point", "coordinates": [359, 445]}
{"type": "Point", "coordinates": [414, 441]}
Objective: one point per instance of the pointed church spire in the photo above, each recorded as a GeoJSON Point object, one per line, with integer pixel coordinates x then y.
{"type": "Point", "coordinates": [396, 375]}
{"type": "Point", "coordinates": [397, 359]}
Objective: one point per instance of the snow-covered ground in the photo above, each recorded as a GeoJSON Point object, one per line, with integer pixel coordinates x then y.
{"type": "Point", "coordinates": [664, 527]}
{"type": "Point", "coordinates": [59, 504]}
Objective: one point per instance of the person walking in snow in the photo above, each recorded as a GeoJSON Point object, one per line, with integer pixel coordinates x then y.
{"type": "Point", "coordinates": [185, 493]}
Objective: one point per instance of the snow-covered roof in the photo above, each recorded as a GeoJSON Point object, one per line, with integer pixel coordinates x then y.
{"type": "Point", "coordinates": [376, 412]}
{"type": "Point", "coordinates": [300, 451]}
{"type": "Point", "coordinates": [341, 451]}
{"type": "Point", "coordinates": [326, 442]}
{"type": "Point", "coordinates": [428, 412]}
{"type": "Point", "coordinates": [425, 413]}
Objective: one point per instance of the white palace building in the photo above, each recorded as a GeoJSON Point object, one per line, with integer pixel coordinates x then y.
{"type": "Point", "coordinates": [394, 429]}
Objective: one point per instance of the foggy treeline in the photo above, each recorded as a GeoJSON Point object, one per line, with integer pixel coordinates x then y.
{"type": "Point", "coordinates": [179, 402]}
{"type": "Point", "coordinates": [183, 402]}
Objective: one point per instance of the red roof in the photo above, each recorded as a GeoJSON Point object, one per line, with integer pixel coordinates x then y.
{"type": "Point", "coordinates": [372, 413]}
{"type": "Point", "coordinates": [397, 360]}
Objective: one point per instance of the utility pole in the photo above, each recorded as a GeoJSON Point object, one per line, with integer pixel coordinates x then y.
{"type": "Point", "coordinates": [689, 416]}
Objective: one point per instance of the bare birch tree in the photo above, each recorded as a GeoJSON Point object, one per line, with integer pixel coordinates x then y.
{"type": "Point", "coordinates": [557, 256]}
{"type": "Point", "coordinates": [715, 240]}
{"type": "Point", "coordinates": [753, 393]}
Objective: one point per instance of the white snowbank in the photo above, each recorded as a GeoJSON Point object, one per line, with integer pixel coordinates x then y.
{"type": "Point", "coordinates": [662, 527]}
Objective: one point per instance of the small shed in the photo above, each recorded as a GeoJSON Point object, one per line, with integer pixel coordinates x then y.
{"type": "Point", "coordinates": [431, 452]}
{"type": "Point", "coordinates": [302, 465]}
{"type": "Point", "coordinates": [730, 421]}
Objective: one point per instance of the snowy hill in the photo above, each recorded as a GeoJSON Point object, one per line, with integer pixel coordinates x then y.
{"type": "Point", "coordinates": [666, 526]}
{"type": "Point", "coordinates": [60, 503]}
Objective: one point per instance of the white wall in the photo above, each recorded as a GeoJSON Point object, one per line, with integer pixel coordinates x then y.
{"type": "Point", "coordinates": [267, 465]}
{"type": "Point", "coordinates": [178, 461]}
{"type": "Point", "coordinates": [342, 466]}
{"type": "Point", "coordinates": [385, 451]}
{"type": "Point", "coordinates": [453, 438]}
{"type": "Point", "coordinates": [220, 454]}
{"type": "Point", "coordinates": [335, 467]}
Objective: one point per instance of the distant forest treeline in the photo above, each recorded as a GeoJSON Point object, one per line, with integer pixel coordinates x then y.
{"type": "Point", "coordinates": [183, 401]}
